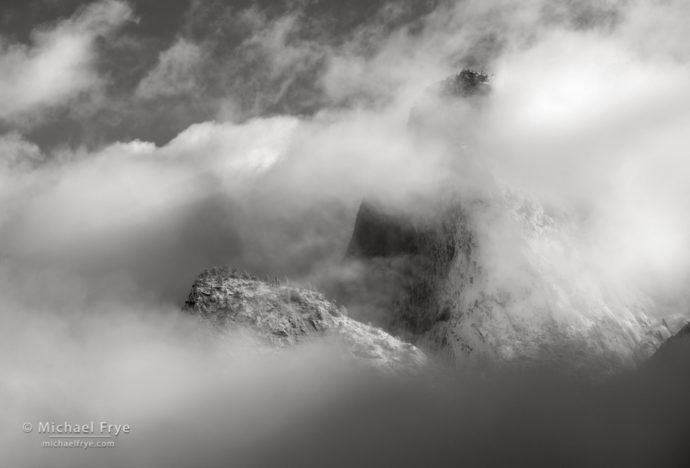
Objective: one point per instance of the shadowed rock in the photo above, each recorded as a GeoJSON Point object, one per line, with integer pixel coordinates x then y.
{"type": "Point", "coordinates": [675, 352]}
{"type": "Point", "coordinates": [466, 83]}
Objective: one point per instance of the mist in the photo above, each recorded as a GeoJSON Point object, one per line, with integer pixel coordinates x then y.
{"type": "Point", "coordinates": [252, 144]}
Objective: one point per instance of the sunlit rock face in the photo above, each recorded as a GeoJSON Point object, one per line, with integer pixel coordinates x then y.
{"type": "Point", "coordinates": [490, 275]}
{"type": "Point", "coordinates": [278, 315]}
{"type": "Point", "coordinates": [521, 291]}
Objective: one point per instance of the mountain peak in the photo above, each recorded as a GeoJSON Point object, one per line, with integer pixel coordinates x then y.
{"type": "Point", "coordinates": [466, 83]}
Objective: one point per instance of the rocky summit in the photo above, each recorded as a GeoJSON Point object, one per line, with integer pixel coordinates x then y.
{"type": "Point", "coordinates": [281, 315]}
{"type": "Point", "coordinates": [491, 274]}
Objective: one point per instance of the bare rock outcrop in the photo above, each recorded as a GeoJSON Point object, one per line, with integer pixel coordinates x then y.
{"type": "Point", "coordinates": [280, 315]}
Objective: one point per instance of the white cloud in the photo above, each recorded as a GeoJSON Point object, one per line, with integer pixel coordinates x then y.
{"type": "Point", "coordinates": [129, 184]}
{"type": "Point", "coordinates": [59, 64]}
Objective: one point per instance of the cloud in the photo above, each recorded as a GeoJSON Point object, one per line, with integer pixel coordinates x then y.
{"type": "Point", "coordinates": [579, 118]}
{"type": "Point", "coordinates": [216, 402]}
{"type": "Point", "coordinates": [193, 188]}
{"type": "Point", "coordinates": [592, 124]}
{"type": "Point", "coordinates": [17, 154]}
{"type": "Point", "coordinates": [175, 73]}
{"type": "Point", "coordinates": [98, 246]}
{"type": "Point", "coordinates": [575, 118]}
{"type": "Point", "coordinates": [60, 62]}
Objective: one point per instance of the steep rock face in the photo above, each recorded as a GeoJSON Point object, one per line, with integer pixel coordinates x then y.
{"type": "Point", "coordinates": [500, 280]}
{"type": "Point", "coordinates": [493, 276]}
{"type": "Point", "coordinates": [412, 255]}
{"type": "Point", "coordinates": [280, 315]}
{"type": "Point", "coordinates": [669, 367]}
{"type": "Point", "coordinates": [525, 292]}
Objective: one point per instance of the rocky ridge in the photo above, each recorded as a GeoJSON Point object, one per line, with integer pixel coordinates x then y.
{"type": "Point", "coordinates": [280, 315]}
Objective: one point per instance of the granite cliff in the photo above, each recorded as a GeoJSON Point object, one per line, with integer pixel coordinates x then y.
{"type": "Point", "coordinates": [493, 275]}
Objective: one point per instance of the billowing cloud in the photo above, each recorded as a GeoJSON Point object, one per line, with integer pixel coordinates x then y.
{"type": "Point", "coordinates": [588, 118]}
{"type": "Point", "coordinates": [578, 118]}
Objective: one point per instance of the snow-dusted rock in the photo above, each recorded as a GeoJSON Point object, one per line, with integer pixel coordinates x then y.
{"type": "Point", "coordinates": [281, 315]}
